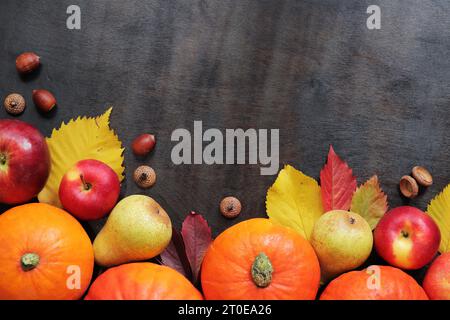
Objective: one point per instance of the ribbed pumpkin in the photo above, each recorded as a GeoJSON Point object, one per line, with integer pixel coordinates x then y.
{"type": "Point", "coordinates": [257, 259]}
{"type": "Point", "coordinates": [142, 281]}
{"type": "Point", "coordinates": [44, 254]}
{"type": "Point", "coordinates": [389, 284]}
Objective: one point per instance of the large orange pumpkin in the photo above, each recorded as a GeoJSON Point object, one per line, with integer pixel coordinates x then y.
{"type": "Point", "coordinates": [142, 281]}
{"type": "Point", "coordinates": [257, 259]}
{"type": "Point", "coordinates": [44, 254]}
{"type": "Point", "coordinates": [374, 283]}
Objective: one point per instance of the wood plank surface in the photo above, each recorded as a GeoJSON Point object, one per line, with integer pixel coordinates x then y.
{"type": "Point", "coordinates": [309, 68]}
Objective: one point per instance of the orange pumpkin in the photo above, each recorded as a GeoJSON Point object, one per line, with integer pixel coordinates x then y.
{"type": "Point", "coordinates": [374, 283]}
{"type": "Point", "coordinates": [142, 281]}
{"type": "Point", "coordinates": [257, 259]}
{"type": "Point", "coordinates": [44, 254]}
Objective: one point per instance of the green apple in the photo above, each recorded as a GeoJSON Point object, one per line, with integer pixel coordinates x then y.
{"type": "Point", "coordinates": [342, 240]}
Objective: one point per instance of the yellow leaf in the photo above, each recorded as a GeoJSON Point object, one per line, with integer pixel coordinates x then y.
{"type": "Point", "coordinates": [83, 138]}
{"type": "Point", "coordinates": [295, 201]}
{"type": "Point", "coordinates": [439, 210]}
{"type": "Point", "coordinates": [370, 202]}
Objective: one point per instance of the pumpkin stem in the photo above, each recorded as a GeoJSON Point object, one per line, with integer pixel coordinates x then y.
{"type": "Point", "coordinates": [262, 270]}
{"type": "Point", "coordinates": [29, 261]}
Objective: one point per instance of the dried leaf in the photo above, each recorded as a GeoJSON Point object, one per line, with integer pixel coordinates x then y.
{"type": "Point", "coordinates": [439, 210]}
{"type": "Point", "coordinates": [197, 238]}
{"type": "Point", "coordinates": [370, 202]}
{"type": "Point", "coordinates": [174, 256]}
{"type": "Point", "coordinates": [83, 138]}
{"type": "Point", "coordinates": [337, 183]}
{"type": "Point", "coordinates": [294, 201]}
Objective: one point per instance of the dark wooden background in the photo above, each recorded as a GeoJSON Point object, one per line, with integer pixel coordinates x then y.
{"type": "Point", "coordinates": [310, 68]}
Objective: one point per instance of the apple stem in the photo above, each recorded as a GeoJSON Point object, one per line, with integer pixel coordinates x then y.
{"type": "Point", "coordinates": [262, 270]}
{"type": "Point", "coordinates": [87, 186]}
{"type": "Point", "coordinates": [2, 159]}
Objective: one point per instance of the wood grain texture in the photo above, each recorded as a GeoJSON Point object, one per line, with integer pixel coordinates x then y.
{"type": "Point", "coordinates": [310, 68]}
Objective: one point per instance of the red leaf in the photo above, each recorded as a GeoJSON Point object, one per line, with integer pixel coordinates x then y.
{"type": "Point", "coordinates": [337, 183]}
{"type": "Point", "coordinates": [197, 238]}
{"type": "Point", "coordinates": [174, 256]}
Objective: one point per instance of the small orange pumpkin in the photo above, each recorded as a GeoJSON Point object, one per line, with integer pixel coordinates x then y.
{"type": "Point", "coordinates": [374, 283]}
{"type": "Point", "coordinates": [142, 281]}
{"type": "Point", "coordinates": [44, 254]}
{"type": "Point", "coordinates": [257, 259]}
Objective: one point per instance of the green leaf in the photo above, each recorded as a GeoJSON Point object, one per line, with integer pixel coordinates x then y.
{"type": "Point", "coordinates": [370, 202]}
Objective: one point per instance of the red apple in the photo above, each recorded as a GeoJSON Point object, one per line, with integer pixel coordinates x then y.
{"type": "Point", "coordinates": [437, 279]}
{"type": "Point", "coordinates": [407, 238]}
{"type": "Point", "coordinates": [24, 161]}
{"type": "Point", "coordinates": [89, 190]}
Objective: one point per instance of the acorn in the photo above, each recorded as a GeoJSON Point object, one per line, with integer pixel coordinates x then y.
{"type": "Point", "coordinates": [144, 176]}
{"type": "Point", "coordinates": [143, 144]}
{"type": "Point", "coordinates": [409, 187]}
{"type": "Point", "coordinates": [14, 104]}
{"type": "Point", "coordinates": [44, 100]}
{"type": "Point", "coordinates": [230, 207]}
{"type": "Point", "coordinates": [27, 62]}
{"type": "Point", "coordinates": [422, 176]}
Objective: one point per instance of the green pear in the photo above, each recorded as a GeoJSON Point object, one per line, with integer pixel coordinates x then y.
{"type": "Point", "coordinates": [342, 241]}
{"type": "Point", "coordinates": [137, 229]}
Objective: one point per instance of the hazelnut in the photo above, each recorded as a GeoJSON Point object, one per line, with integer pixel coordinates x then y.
{"type": "Point", "coordinates": [44, 100]}
{"type": "Point", "coordinates": [409, 187]}
{"type": "Point", "coordinates": [14, 104]}
{"type": "Point", "coordinates": [27, 62]}
{"type": "Point", "coordinates": [143, 144]}
{"type": "Point", "coordinates": [422, 176]}
{"type": "Point", "coordinates": [144, 176]}
{"type": "Point", "coordinates": [230, 207]}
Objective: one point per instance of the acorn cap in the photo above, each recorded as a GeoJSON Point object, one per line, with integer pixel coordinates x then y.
{"type": "Point", "coordinates": [230, 207]}
{"type": "Point", "coordinates": [144, 176]}
{"type": "Point", "coordinates": [14, 104]}
{"type": "Point", "coordinates": [422, 176]}
{"type": "Point", "coordinates": [409, 187]}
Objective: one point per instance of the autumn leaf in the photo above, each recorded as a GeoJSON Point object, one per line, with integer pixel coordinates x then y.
{"type": "Point", "coordinates": [83, 138]}
{"type": "Point", "coordinates": [294, 201]}
{"type": "Point", "coordinates": [197, 238]}
{"type": "Point", "coordinates": [370, 202]}
{"type": "Point", "coordinates": [187, 249]}
{"type": "Point", "coordinates": [174, 256]}
{"type": "Point", "coordinates": [439, 210]}
{"type": "Point", "coordinates": [337, 183]}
